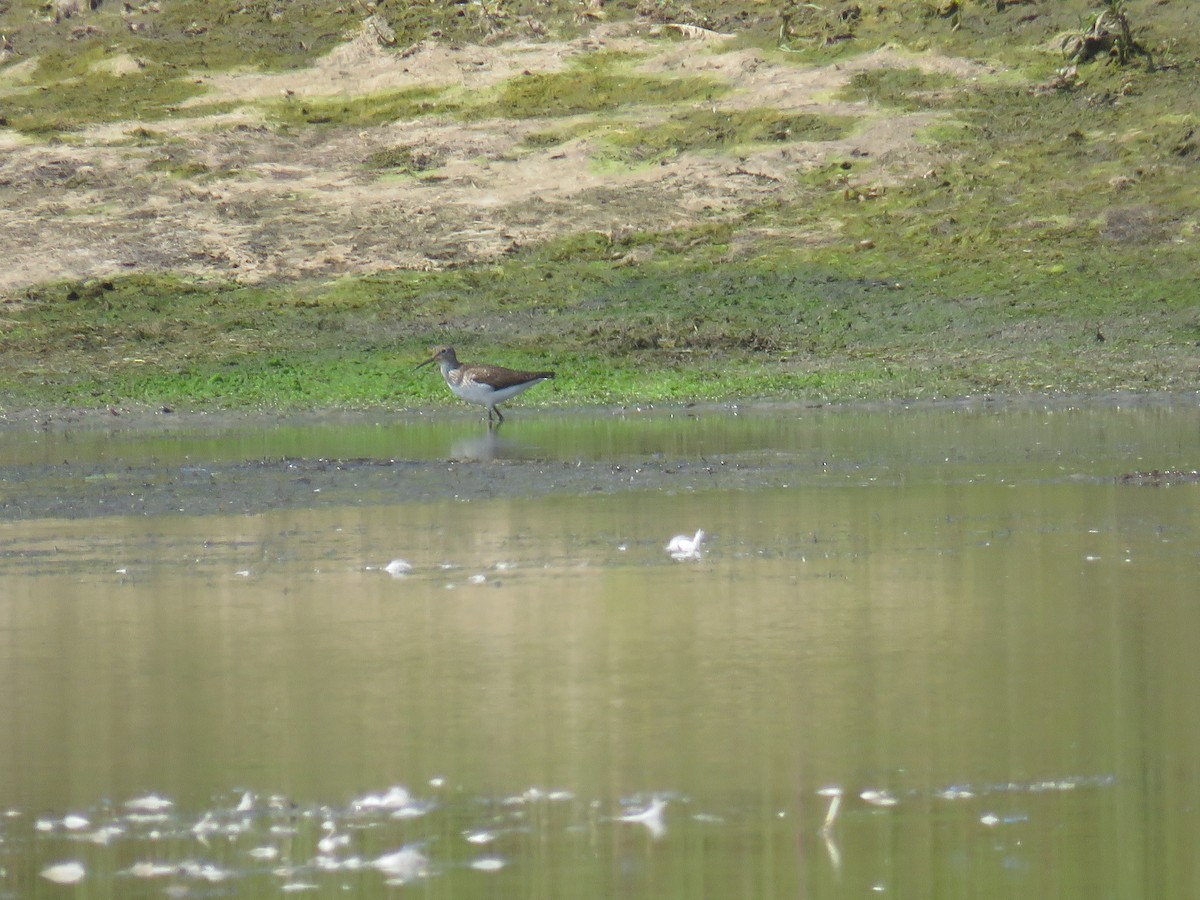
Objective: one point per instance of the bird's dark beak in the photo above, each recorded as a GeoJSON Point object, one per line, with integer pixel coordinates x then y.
{"type": "Point", "coordinates": [422, 365]}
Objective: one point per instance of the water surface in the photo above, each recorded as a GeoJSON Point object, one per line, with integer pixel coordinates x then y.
{"type": "Point", "coordinates": [961, 618]}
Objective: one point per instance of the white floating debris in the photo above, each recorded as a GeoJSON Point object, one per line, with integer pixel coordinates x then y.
{"type": "Point", "coordinates": [149, 803]}
{"type": "Point", "coordinates": [242, 573]}
{"type": "Point", "coordinates": [480, 837]}
{"type": "Point", "coordinates": [75, 822]}
{"type": "Point", "coordinates": [406, 864]}
{"type": "Point", "coordinates": [835, 804]}
{"type": "Point", "coordinates": [991, 819]}
{"type": "Point", "coordinates": [1039, 786]}
{"type": "Point", "coordinates": [332, 840]}
{"type": "Point", "coordinates": [413, 810]}
{"type": "Point", "coordinates": [105, 833]}
{"type": "Point", "coordinates": [280, 803]}
{"type": "Point", "coordinates": [246, 804]}
{"type": "Point", "coordinates": [398, 567]}
{"type": "Point", "coordinates": [396, 797]}
{"type": "Point", "coordinates": [205, 826]}
{"type": "Point", "coordinates": [65, 872]}
{"type": "Point", "coordinates": [651, 817]}
{"type": "Point", "coordinates": [437, 781]}
{"type": "Point", "coordinates": [150, 870]}
{"type": "Point", "coordinates": [202, 871]}
{"type": "Point", "coordinates": [263, 853]}
{"type": "Point", "coordinates": [333, 864]}
{"type": "Point", "coordinates": [878, 798]}
{"type": "Point", "coordinates": [683, 547]}
{"type": "Point", "coordinates": [488, 864]}
{"type": "Point", "coordinates": [954, 793]}
{"type": "Point", "coordinates": [138, 818]}
{"type": "Point", "coordinates": [43, 825]}
{"type": "Point", "coordinates": [477, 579]}
{"type": "Point", "coordinates": [294, 887]}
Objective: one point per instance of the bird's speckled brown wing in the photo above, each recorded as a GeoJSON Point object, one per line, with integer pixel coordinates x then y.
{"type": "Point", "coordinates": [500, 377]}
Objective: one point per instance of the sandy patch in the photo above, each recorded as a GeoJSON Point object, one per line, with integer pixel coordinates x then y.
{"type": "Point", "coordinates": [121, 64]}
{"type": "Point", "coordinates": [227, 196]}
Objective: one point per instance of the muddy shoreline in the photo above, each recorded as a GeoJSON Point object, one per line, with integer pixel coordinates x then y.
{"type": "Point", "coordinates": [133, 417]}
{"type": "Point", "coordinates": [478, 467]}
{"type": "Point", "coordinates": [74, 491]}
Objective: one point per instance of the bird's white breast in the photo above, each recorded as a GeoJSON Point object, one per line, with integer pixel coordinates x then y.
{"type": "Point", "coordinates": [479, 392]}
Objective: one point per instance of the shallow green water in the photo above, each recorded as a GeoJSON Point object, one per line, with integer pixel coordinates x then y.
{"type": "Point", "coordinates": [961, 618]}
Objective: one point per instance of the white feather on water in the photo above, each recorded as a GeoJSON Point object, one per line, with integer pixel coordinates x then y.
{"type": "Point", "coordinates": [684, 547]}
{"type": "Point", "coordinates": [651, 817]}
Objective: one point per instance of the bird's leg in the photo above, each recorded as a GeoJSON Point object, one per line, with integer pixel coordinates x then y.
{"type": "Point", "coordinates": [499, 415]}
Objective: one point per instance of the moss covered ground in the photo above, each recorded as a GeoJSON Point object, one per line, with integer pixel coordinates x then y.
{"type": "Point", "coordinates": [1050, 246]}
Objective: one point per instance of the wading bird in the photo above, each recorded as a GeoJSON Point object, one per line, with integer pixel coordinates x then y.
{"type": "Point", "coordinates": [483, 384]}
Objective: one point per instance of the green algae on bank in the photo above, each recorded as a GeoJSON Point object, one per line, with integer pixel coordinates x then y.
{"type": "Point", "coordinates": [1050, 246]}
{"type": "Point", "coordinates": [676, 329]}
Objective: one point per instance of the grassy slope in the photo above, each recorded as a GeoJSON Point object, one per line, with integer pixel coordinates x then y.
{"type": "Point", "coordinates": [1057, 216]}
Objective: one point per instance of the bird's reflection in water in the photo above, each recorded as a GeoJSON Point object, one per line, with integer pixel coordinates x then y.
{"type": "Point", "coordinates": [489, 445]}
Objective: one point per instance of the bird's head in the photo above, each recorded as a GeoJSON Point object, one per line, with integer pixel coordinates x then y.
{"type": "Point", "coordinates": [440, 354]}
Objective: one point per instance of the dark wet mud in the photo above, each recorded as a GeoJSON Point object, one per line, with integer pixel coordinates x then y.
{"type": "Point", "coordinates": [85, 491]}
{"type": "Point", "coordinates": [87, 466]}
{"type": "Point", "coordinates": [82, 491]}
